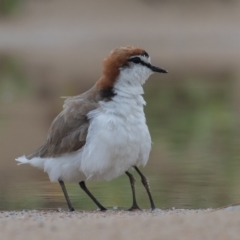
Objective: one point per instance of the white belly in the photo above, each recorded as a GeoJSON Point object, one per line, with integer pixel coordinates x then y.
{"type": "Point", "coordinates": [115, 143]}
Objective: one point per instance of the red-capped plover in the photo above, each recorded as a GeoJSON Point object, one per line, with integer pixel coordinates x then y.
{"type": "Point", "coordinates": [102, 133]}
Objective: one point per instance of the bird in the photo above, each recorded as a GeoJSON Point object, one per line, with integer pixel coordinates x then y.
{"type": "Point", "coordinates": [102, 133]}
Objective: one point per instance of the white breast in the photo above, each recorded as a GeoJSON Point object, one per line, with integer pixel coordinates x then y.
{"type": "Point", "coordinates": [118, 138]}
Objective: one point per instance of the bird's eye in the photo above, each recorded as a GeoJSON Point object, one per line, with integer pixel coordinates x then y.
{"type": "Point", "coordinates": [135, 60]}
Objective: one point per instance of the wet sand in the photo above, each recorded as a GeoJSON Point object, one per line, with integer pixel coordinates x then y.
{"type": "Point", "coordinates": [172, 224]}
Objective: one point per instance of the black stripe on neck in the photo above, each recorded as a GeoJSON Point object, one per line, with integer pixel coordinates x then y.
{"type": "Point", "coordinates": [107, 94]}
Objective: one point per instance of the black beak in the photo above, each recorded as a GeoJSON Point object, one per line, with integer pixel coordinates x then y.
{"type": "Point", "coordinates": [157, 69]}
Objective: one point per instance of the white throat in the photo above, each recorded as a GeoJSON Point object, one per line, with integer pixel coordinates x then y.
{"type": "Point", "coordinates": [130, 80]}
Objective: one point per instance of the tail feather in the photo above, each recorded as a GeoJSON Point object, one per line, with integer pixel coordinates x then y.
{"type": "Point", "coordinates": [22, 160]}
{"type": "Point", "coordinates": [36, 161]}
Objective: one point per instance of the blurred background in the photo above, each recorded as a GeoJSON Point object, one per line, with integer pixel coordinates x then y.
{"type": "Point", "coordinates": [55, 48]}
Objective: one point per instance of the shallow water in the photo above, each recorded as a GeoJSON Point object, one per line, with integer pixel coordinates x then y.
{"type": "Point", "coordinates": [169, 191]}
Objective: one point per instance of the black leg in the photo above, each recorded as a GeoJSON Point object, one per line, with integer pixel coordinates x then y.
{"type": "Point", "coordinates": [132, 182]}
{"type": "Point", "coordinates": [84, 188]}
{"type": "Point", "coordinates": [145, 184]}
{"type": "Point", "coordinates": [66, 196]}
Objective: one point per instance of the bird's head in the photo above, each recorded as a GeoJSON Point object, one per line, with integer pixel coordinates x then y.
{"type": "Point", "coordinates": [129, 65]}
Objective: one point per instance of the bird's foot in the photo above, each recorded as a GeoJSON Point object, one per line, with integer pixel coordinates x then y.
{"type": "Point", "coordinates": [102, 209]}
{"type": "Point", "coordinates": [134, 208]}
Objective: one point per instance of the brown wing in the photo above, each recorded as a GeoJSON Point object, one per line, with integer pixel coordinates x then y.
{"type": "Point", "coordinates": [69, 129]}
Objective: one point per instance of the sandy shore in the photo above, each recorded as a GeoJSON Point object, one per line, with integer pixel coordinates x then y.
{"type": "Point", "coordinates": [172, 224]}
